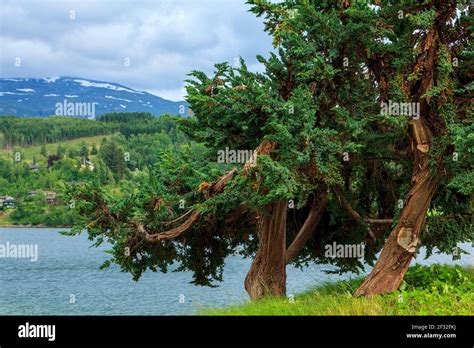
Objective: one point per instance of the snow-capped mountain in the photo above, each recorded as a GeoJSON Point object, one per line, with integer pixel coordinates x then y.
{"type": "Point", "coordinates": [67, 95]}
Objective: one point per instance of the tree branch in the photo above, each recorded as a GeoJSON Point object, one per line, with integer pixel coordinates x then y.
{"type": "Point", "coordinates": [378, 221]}
{"type": "Point", "coordinates": [209, 190]}
{"type": "Point", "coordinates": [308, 228]}
{"type": "Point", "coordinates": [355, 215]}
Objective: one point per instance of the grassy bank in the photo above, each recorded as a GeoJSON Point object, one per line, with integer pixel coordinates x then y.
{"type": "Point", "coordinates": [426, 290]}
{"type": "Point", "coordinates": [4, 219]}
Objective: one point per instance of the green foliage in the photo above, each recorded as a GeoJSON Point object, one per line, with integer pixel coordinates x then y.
{"type": "Point", "coordinates": [318, 101]}
{"type": "Point", "coordinates": [114, 158]}
{"type": "Point", "coordinates": [44, 152]}
{"type": "Point", "coordinates": [438, 278]}
{"type": "Point", "coordinates": [39, 213]}
{"type": "Point", "coordinates": [173, 174]}
{"type": "Point", "coordinates": [16, 178]}
{"type": "Point", "coordinates": [26, 131]}
{"type": "Point", "coordinates": [30, 131]}
{"type": "Point", "coordinates": [94, 150]}
{"type": "Point", "coordinates": [84, 151]}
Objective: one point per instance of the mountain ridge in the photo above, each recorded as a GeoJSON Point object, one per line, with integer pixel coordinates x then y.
{"type": "Point", "coordinates": [65, 95]}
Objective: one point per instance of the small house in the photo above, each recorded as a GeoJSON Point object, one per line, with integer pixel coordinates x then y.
{"type": "Point", "coordinates": [8, 202]}
{"type": "Point", "coordinates": [34, 167]}
{"type": "Point", "coordinates": [87, 165]}
{"type": "Point", "coordinates": [50, 197]}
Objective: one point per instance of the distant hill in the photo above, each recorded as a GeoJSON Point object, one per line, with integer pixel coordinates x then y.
{"type": "Point", "coordinates": [40, 97]}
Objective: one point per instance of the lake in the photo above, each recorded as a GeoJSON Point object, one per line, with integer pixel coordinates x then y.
{"type": "Point", "coordinates": [66, 280]}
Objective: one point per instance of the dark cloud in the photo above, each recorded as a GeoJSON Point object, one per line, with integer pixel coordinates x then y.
{"type": "Point", "coordinates": [162, 39]}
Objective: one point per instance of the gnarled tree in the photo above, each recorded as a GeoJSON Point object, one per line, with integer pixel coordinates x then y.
{"type": "Point", "coordinates": [324, 165]}
{"type": "Point", "coordinates": [428, 62]}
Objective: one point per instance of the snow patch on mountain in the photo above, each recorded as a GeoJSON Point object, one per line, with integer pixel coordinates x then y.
{"type": "Point", "coordinates": [25, 90]}
{"type": "Point", "coordinates": [86, 83]}
{"type": "Point", "coordinates": [10, 93]}
{"type": "Point", "coordinates": [110, 97]}
{"type": "Point", "coordinates": [51, 79]}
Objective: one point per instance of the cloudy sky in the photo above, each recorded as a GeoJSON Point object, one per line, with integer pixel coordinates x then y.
{"type": "Point", "coordinates": [144, 44]}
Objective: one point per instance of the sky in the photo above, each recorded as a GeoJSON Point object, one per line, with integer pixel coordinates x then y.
{"type": "Point", "coordinates": [143, 44]}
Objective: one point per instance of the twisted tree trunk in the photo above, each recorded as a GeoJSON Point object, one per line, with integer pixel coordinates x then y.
{"type": "Point", "coordinates": [267, 274]}
{"type": "Point", "coordinates": [309, 226]}
{"type": "Point", "coordinates": [401, 245]}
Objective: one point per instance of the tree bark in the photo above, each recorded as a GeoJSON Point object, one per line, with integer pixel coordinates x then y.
{"type": "Point", "coordinates": [401, 245]}
{"type": "Point", "coordinates": [267, 274]}
{"type": "Point", "coordinates": [308, 228]}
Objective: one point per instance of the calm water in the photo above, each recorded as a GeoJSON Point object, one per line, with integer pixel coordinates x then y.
{"type": "Point", "coordinates": [67, 268]}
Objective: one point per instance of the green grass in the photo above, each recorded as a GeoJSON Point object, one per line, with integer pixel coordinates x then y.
{"type": "Point", "coordinates": [426, 290]}
{"type": "Point", "coordinates": [29, 152]}
{"type": "Point", "coordinates": [4, 218]}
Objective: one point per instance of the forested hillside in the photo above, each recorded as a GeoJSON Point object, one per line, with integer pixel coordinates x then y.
{"type": "Point", "coordinates": [40, 157]}
{"type": "Point", "coordinates": [30, 131]}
